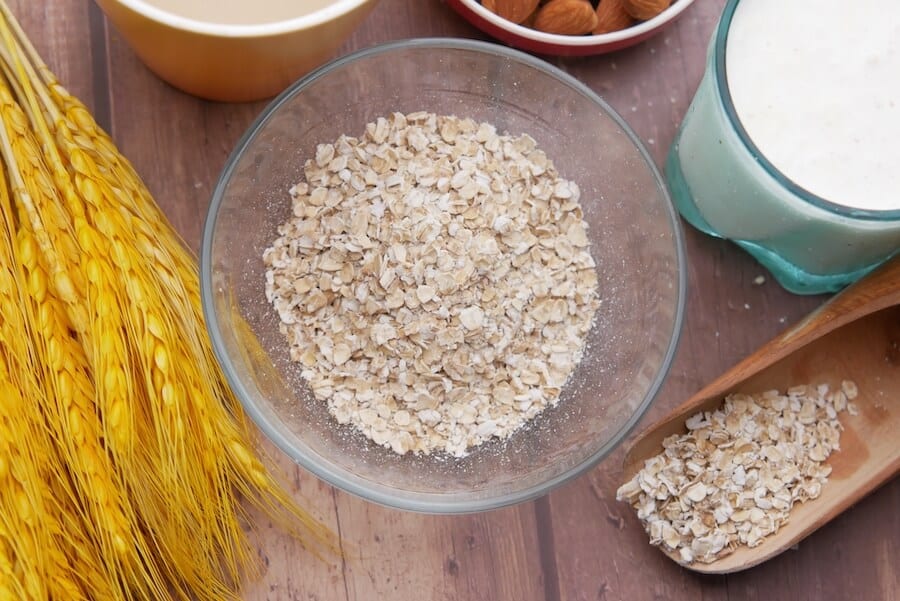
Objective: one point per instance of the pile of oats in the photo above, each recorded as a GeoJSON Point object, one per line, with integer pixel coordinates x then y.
{"type": "Point", "coordinates": [733, 477]}
{"type": "Point", "coordinates": [435, 281]}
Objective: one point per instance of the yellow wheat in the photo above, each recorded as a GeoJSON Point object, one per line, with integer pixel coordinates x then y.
{"type": "Point", "coordinates": [146, 455]}
{"type": "Point", "coordinates": [33, 482]}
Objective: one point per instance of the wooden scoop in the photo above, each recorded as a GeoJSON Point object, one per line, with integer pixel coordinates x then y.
{"type": "Point", "coordinates": [854, 336]}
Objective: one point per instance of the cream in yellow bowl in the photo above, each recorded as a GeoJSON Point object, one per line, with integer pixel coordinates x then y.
{"type": "Point", "coordinates": [234, 50]}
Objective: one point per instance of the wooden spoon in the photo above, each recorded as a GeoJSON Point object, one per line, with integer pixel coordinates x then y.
{"type": "Point", "coordinates": [854, 336]}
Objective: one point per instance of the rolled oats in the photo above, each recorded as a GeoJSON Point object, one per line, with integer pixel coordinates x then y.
{"type": "Point", "coordinates": [435, 281]}
{"type": "Point", "coordinates": [732, 479]}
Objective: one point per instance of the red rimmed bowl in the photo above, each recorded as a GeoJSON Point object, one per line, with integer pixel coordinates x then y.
{"type": "Point", "coordinates": [525, 38]}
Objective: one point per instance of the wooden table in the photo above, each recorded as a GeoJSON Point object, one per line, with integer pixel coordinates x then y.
{"type": "Point", "coordinates": [577, 543]}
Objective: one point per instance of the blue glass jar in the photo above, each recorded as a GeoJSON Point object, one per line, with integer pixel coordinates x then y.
{"type": "Point", "coordinates": [723, 185]}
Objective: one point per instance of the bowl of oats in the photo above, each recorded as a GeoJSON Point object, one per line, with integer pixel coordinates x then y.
{"type": "Point", "coordinates": [442, 275]}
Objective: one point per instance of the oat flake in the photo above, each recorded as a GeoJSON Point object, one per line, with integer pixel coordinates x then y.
{"type": "Point", "coordinates": [435, 281]}
{"type": "Point", "coordinates": [732, 479]}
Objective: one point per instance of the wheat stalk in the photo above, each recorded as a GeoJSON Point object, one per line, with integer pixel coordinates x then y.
{"type": "Point", "coordinates": [143, 453]}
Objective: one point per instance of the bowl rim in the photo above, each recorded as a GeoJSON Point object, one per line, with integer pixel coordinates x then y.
{"type": "Point", "coordinates": [573, 41]}
{"type": "Point", "coordinates": [327, 13]}
{"type": "Point", "coordinates": [435, 503]}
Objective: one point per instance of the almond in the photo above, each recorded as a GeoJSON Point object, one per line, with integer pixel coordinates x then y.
{"type": "Point", "coordinates": [645, 9]}
{"type": "Point", "coordinates": [567, 17]}
{"type": "Point", "coordinates": [511, 10]}
{"type": "Point", "coordinates": [611, 16]}
{"type": "Point", "coordinates": [529, 20]}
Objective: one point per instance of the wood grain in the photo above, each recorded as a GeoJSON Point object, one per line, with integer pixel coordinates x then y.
{"type": "Point", "coordinates": [855, 335]}
{"type": "Point", "coordinates": [577, 543]}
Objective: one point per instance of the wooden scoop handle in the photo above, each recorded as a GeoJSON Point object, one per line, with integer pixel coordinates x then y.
{"type": "Point", "coordinates": [876, 291]}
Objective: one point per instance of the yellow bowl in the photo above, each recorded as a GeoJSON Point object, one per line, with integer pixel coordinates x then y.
{"type": "Point", "coordinates": [233, 63]}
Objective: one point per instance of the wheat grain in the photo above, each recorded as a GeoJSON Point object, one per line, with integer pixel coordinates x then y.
{"type": "Point", "coordinates": [150, 455]}
{"type": "Point", "coordinates": [42, 487]}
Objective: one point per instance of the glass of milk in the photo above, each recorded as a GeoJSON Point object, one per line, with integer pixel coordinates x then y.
{"type": "Point", "coordinates": [791, 145]}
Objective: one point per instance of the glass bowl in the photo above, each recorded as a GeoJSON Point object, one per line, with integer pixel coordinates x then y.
{"type": "Point", "coordinates": [635, 239]}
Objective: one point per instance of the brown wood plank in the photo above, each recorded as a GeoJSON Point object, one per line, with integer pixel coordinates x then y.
{"type": "Point", "coordinates": [177, 143]}
{"type": "Point", "coordinates": [400, 555]}
{"type": "Point", "coordinates": [60, 32]}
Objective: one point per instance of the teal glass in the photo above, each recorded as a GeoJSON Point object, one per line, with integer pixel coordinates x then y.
{"type": "Point", "coordinates": [724, 186]}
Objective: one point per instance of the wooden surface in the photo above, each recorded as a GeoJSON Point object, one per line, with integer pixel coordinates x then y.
{"type": "Point", "coordinates": [855, 332]}
{"type": "Point", "coordinates": [577, 543]}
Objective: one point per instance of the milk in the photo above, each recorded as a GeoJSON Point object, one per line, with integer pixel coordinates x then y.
{"type": "Point", "coordinates": [239, 12]}
{"type": "Point", "coordinates": [817, 88]}
{"type": "Point", "coordinates": [790, 145]}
